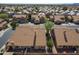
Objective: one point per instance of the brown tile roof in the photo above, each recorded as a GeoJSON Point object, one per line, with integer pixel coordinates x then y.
{"type": "Point", "coordinates": [59, 18]}
{"type": "Point", "coordinates": [40, 37]}
{"type": "Point", "coordinates": [23, 36]}
{"type": "Point", "coordinates": [66, 37]}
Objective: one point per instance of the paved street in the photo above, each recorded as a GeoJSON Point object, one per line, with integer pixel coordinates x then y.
{"type": "Point", "coordinates": [5, 37]}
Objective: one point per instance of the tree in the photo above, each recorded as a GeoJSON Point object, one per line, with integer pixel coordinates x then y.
{"type": "Point", "coordinates": [49, 44]}
{"type": "Point", "coordinates": [16, 9]}
{"type": "Point", "coordinates": [48, 25]}
{"type": "Point", "coordinates": [65, 8]}
{"type": "Point", "coordinates": [14, 25]}
{"type": "Point", "coordinates": [3, 15]}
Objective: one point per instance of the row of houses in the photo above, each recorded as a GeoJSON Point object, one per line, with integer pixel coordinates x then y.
{"type": "Point", "coordinates": [38, 15]}
{"type": "Point", "coordinates": [27, 39]}
{"type": "Point", "coordinates": [54, 9]}
{"type": "Point", "coordinates": [32, 40]}
{"type": "Point", "coordinates": [40, 19]}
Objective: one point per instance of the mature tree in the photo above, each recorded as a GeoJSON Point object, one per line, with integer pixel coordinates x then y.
{"type": "Point", "coordinates": [3, 15]}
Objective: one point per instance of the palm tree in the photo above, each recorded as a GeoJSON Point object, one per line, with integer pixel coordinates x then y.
{"type": "Point", "coordinates": [48, 26]}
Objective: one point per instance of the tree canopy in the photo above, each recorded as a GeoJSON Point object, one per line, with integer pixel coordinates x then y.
{"type": "Point", "coordinates": [3, 15]}
{"type": "Point", "coordinates": [49, 25]}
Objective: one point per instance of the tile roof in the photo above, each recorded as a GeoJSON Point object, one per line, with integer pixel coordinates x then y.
{"type": "Point", "coordinates": [66, 37]}
{"type": "Point", "coordinates": [59, 18]}
{"type": "Point", "coordinates": [40, 37]}
{"type": "Point", "coordinates": [25, 36]}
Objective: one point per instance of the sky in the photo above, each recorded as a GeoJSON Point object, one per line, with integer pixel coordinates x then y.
{"type": "Point", "coordinates": [39, 1]}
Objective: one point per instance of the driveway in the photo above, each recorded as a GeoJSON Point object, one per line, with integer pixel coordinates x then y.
{"type": "Point", "coordinates": [5, 37]}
